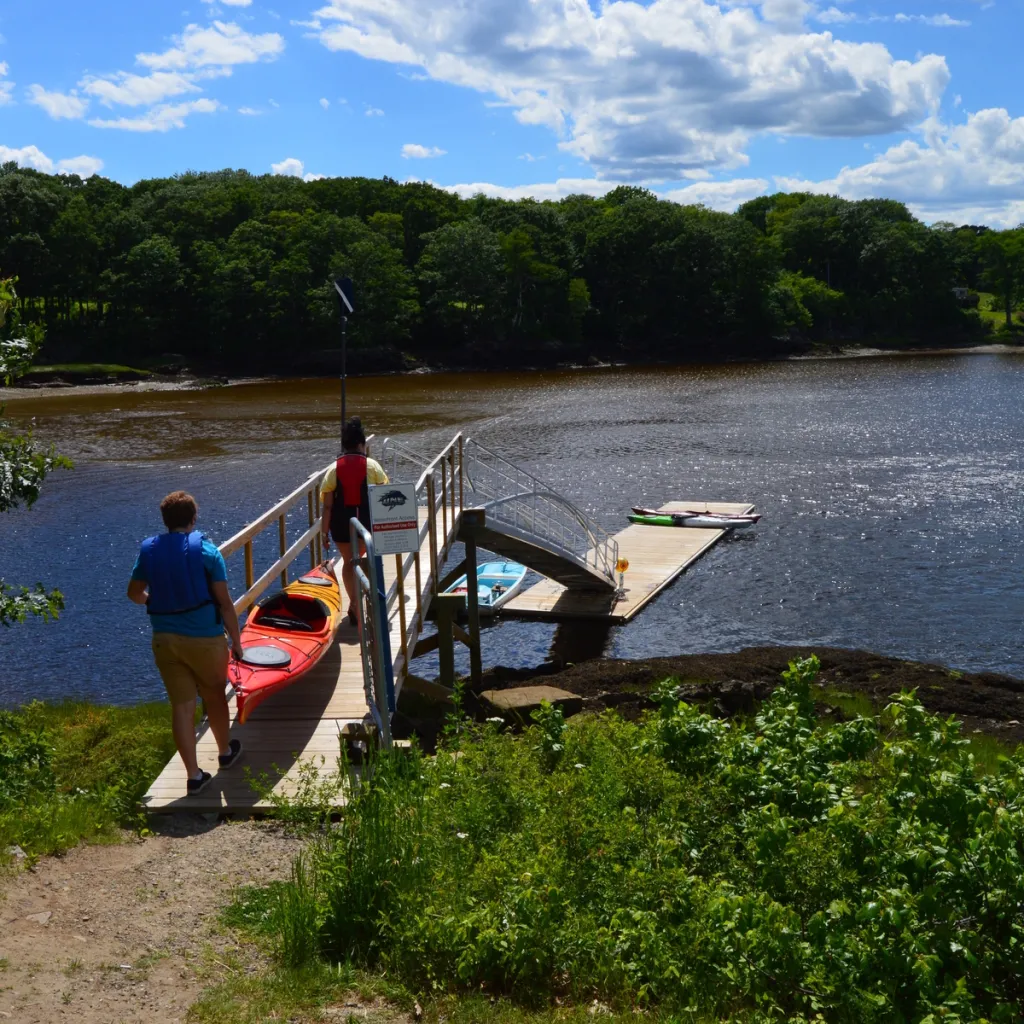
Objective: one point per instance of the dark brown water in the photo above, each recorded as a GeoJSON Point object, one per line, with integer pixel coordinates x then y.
{"type": "Point", "coordinates": [891, 490]}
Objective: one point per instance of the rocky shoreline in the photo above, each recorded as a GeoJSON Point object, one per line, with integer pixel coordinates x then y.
{"type": "Point", "coordinates": [986, 702]}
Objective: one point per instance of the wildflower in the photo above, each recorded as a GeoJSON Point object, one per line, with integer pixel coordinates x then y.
{"type": "Point", "coordinates": [462, 835]}
{"type": "Point", "coordinates": [445, 785]}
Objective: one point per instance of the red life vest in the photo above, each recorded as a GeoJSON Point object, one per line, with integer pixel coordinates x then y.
{"type": "Point", "coordinates": [351, 497]}
{"type": "Point", "coordinates": [351, 472]}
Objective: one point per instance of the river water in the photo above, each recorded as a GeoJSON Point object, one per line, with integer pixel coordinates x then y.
{"type": "Point", "coordinates": [891, 490]}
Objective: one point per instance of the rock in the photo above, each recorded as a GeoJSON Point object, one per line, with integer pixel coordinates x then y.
{"type": "Point", "coordinates": [521, 700]}
{"type": "Point", "coordinates": [42, 918]}
{"type": "Point", "coordinates": [735, 697]}
{"type": "Point", "coordinates": [16, 852]}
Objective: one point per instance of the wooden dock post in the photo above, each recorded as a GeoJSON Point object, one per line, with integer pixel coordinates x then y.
{"type": "Point", "coordinates": [477, 516]}
{"type": "Point", "coordinates": [448, 607]}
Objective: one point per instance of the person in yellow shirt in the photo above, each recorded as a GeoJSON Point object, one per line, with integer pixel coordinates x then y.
{"type": "Point", "coordinates": [345, 495]}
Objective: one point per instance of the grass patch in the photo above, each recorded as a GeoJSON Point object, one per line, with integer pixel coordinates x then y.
{"type": "Point", "coordinates": [90, 368]}
{"type": "Point", "coordinates": [991, 310]}
{"type": "Point", "coordinates": [851, 704]}
{"type": "Point", "coordinates": [781, 868]}
{"type": "Point", "coordinates": [302, 995]}
{"type": "Point", "coordinates": [76, 771]}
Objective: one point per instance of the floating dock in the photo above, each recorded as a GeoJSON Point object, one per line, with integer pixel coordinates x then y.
{"type": "Point", "coordinates": [657, 555]}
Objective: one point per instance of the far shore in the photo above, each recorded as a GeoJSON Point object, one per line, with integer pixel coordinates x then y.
{"type": "Point", "coordinates": [194, 382]}
{"type": "Point", "coordinates": [995, 349]}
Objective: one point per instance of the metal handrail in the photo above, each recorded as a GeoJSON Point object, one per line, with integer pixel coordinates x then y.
{"type": "Point", "coordinates": [517, 498]}
{"type": "Point", "coordinates": [371, 634]}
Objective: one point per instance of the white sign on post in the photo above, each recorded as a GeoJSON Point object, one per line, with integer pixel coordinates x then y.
{"type": "Point", "coordinates": [395, 518]}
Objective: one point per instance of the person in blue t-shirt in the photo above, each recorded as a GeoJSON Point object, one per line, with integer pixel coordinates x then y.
{"type": "Point", "coordinates": [181, 578]}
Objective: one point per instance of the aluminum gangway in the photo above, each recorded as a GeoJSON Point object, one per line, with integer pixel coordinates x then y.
{"type": "Point", "coordinates": [524, 519]}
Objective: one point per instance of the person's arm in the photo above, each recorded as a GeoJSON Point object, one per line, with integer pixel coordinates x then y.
{"type": "Point", "coordinates": [137, 591]}
{"type": "Point", "coordinates": [219, 589]}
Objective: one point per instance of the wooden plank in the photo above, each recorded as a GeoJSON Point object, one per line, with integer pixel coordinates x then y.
{"type": "Point", "coordinates": [657, 555]}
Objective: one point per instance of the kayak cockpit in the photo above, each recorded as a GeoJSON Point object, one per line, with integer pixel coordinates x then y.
{"type": "Point", "coordinates": [299, 613]}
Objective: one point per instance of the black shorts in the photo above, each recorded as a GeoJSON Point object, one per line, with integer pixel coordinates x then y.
{"type": "Point", "coordinates": [341, 530]}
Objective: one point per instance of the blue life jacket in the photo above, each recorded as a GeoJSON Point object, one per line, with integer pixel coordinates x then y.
{"type": "Point", "coordinates": [172, 564]}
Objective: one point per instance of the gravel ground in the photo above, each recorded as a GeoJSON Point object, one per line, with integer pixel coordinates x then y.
{"type": "Point", "coordinates": [131, 932]}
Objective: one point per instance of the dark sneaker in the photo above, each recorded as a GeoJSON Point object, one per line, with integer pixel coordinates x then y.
{"type": "Point", "coordinates": [353, 620]}
{"type": "Point", "coordinates": [198, 785]}
{"type": "Point", "coordinates": [233, 754]}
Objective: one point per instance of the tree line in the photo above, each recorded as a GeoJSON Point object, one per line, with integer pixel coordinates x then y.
{"type": "Point", "coordinates": [232, 270]}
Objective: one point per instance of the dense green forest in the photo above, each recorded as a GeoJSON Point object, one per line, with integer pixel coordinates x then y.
{"type": "Point", "coordinates": [228, 270]}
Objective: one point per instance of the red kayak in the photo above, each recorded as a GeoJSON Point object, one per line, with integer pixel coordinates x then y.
{"type": "Point", "coordinates": [284, 637]}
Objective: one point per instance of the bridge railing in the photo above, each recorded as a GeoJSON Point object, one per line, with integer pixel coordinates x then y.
{"type": "Point", "coordinates": [306, 494]}
{"type": "Point", "coordinates": [526, 505]}
{"type": "Point", "coordinates": [374, 626]}
{"type": "Point", "coordinates": [440, 489]}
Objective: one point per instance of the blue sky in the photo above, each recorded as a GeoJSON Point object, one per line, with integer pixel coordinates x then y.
{"type": "Point", "coordinates": [702, 101]}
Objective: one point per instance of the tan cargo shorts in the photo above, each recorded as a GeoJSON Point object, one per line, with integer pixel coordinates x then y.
{"type": "Point", "coordinates": [191, 665]}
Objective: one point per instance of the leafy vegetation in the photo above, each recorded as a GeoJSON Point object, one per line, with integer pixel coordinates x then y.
{"type": "Point", "coordinates": [782, 868]}
{"type": "Point", "coordinates": [23, 467]}
{"type": "Point", "coordinates": [226, 269]}
{"type": "Point", "coordinates": [76, 771]}
{"type": "Point", "coordinates": [91, 368]}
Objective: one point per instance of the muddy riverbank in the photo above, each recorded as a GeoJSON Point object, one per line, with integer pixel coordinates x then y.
{"type": "Point", "coordinates": [729, 684]}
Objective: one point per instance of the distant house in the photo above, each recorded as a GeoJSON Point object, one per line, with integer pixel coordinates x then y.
{"type": "Point", "coordinates": [960, 293]}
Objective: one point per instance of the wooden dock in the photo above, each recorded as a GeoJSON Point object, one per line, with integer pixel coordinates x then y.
{"type": "Point", "coordinates": [307, 722]}
{"type": "Point", "coordinates": [657, 555]}
{"type": "Point", "coordinates": [304, 722]}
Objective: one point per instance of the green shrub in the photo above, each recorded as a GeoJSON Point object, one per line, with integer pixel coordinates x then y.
{"type": "Point", "coordinates": [76, 771]}
{"type": "Point", "coordinates": [783, 868]}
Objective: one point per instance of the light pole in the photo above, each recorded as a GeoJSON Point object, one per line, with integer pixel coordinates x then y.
{"type": "Point", "coordinates": [343, 287]}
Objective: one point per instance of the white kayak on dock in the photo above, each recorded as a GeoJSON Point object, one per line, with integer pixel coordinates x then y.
{"type": "Point", "coordinates": [497, 582]}
{"type": "Point", "coordinates": [693, 518]}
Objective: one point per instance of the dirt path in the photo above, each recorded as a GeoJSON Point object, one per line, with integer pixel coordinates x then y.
{"type": "Point", "coordinates": [130, 933]}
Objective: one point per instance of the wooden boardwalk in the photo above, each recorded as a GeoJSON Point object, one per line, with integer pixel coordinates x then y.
{"type": "Point", "coordinates": [657, 555]}
{"type": "Point", "coordinates": [301, 723]}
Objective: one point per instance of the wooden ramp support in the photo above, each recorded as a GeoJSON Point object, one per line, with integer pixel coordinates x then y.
{"type": "Point", "coordinates": [657, 555]}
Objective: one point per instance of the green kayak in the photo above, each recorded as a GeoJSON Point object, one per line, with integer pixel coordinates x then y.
{"type": "Point", "coordinates": [704, 520]}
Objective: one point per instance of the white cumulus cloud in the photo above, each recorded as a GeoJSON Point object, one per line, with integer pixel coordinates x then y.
{"type": "Point", "coordinates": [648, 92]}
{"type": "Point", "coordinates": [221, 44]}
{"type": "Point", "coordinates": [161, 118]}
{"type": "Point", "coordinates": [935, 20]}
{"type": "Point", "coordinates": [32, 156]}
{"type": "Point", "coordinates": [324, 102]}
{"type": "Point", "coordinates": [718, 195]}
{"type": "Point", "coordinates": [58, 105]}
{"type": "Point", "coordinates": [294, 168]}
{"type": "Point", "coordinates": [199, 54]}
{"type": "Point", "coordinates": [132, 90]}
{"type": "Point", "coordinates": [414, 151]}
{"type": "Point", "coordinates": [6, 88]}
{"type": "Point", "coordinates": [971, 172]}
{"type": "Point", "coordinates": [541, 191]}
